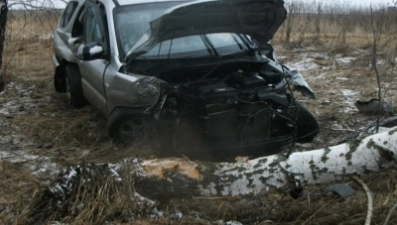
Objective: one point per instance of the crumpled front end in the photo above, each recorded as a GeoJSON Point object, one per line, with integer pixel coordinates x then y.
{"type": "Point", "coordinates": [237, 106]}
{"type": "Point", "coordinates": [299, 83]}
{"type": "Point", "coordinates": [226, 112]}
{"type": "Point", "coordinates": [133, 91]}
{"type": "Point", "coordinates": [189, 123]}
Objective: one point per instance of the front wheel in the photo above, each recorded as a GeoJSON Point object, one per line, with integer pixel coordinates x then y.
{"type": "Point", "coordinates": [73, 86]}
{"type": "Point", "coordinates": [307, 126]}
{"type": "Point", "coordinates": [126, 125]}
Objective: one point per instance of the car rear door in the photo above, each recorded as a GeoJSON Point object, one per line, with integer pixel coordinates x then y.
{"type": "Point", "coordinates": [93, 71]}
{"type": "Point", "coordinates": [62, 33]}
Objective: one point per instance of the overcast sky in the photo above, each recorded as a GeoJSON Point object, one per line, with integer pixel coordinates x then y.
{"type": "Point", "coordinates": [366, 3]}
{"type": "Point", "coordinates": [348, 3]}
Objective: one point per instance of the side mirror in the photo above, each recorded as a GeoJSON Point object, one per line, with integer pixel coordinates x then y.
{"type": "Point", "coordinates": [89, 51]}
{"type": "Point", "coordinates": [73, 43]}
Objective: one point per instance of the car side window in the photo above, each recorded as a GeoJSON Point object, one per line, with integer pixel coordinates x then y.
{"type": "Point", "coordinates": [94, 30]}
{"type": "Point", "coordinates": [67, 14]}
{"type": "Point", "coordinates": [78, 27]}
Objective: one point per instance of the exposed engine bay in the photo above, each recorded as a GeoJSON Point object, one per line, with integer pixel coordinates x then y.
{"type": "Point", "coordinates": [232, 106]}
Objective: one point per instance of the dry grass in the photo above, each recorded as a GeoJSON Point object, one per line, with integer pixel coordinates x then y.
{"type": "Point", "coordinates": [17, 188]}
{"type": "Point", "coordinates": [99, 198]}
{"type": "Point", "coordinates": [345, 29]}
{"type": "Point", "coordinates": [27, 34]}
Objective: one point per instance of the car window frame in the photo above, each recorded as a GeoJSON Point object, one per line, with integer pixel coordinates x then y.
{"type": "Point", "coordinates": [101, 24]}
{"type": "Point", "coordinates": [123, 54]}
{"type": "Point", "coordinates": [71, 4]}
{"type": "Point", "coordinates": [78, 21]}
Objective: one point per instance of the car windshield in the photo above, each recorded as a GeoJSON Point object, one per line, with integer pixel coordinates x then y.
{"type": "Point", "coordinates": [218, 44]}
{"type": "Point", "coordinates": [133, 21]}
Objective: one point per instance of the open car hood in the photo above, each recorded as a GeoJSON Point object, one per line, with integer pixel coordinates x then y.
{"type": "Point", "coordinates": [258, 18]}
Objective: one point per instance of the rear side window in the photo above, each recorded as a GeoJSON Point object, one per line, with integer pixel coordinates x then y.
{"type": "Point", "coordinates": [67, 14]}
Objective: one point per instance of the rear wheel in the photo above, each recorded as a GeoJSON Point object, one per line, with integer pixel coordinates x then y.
{"type": "Point", "coordinates": [126, 125]}
{"type": "Point", "coordinates": [307, 126]}
{"type": "Point", "coordinates": [60, 80]}
{"type": "Point", "coordinates": [73, 86]}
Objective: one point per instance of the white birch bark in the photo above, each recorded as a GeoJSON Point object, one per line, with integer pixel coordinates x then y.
{"type": "Point", "coordinates": [372, 154]}
{"type": "Point", "coordinates": [177, 177]}
{"type": "Point", "coordinates": [181, 178]}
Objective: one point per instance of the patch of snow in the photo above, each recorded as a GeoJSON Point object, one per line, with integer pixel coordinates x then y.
{"type": "Point", "coordinates": [307, 61]}
{"type": "Point", "coordinates": [85, 152]}
{"type": "Point", "coordinates": [319, 55]}
{"type": "Point", "coordinates": [12, 143]}
{"type": "Point", "coordinates": [46, 36]}
{"type": "Point", "coordinates": [113, 170]}
{"type": "Point", "coordinates": [350, 97]}
{"type": "Point", "coordinates": [318, 77]}
{"type": "Point", "coordinates": [380, 62]}
{"type": "Point", "coordinates": [345, 62]}
{"type": "Point", "coordinates": [303, 65]}
{"type": "Point", "coordinates": [46, 169]}
{"type": "Point", "coordinates": [17, 156]}
{"type": "Point", "coordinates": [233, 223]}
{"type": "Point", "coordinates": [349, 93]}
{"type": "Point", "coordinates": [144, 202]}
{"type": "Point", "coordinates": [64, 186]}
{"type": "Point", "coordinates": [176, 216]}
{"type": "Point", "coordinates": [22, 104]}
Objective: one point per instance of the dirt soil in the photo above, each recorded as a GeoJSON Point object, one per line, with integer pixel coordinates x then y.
{"type": "Point", "coordinates": [41, 135]}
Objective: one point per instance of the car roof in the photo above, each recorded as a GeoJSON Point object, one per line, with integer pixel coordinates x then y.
{"type": "Point", "coordinates": [133, 2]}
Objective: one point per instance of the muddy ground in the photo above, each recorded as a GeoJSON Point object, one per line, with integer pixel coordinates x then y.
{"type": "Point", "coordinates": [41, 135]}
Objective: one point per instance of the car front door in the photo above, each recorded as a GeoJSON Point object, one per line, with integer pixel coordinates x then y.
{"type": "Point", "coordinates": [62, 33]}
{"type": "Point", "coordinates": [92, 71]}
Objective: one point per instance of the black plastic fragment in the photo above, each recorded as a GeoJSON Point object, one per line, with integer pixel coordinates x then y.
{"type": "Point", "coordinates": [373, 106]}
{"type": "Point", "coordinates": [342, 190]}
{"type": "Point", "coordinates": [296, 193]}
{"type": "Point", "coordinates": [391, 122]}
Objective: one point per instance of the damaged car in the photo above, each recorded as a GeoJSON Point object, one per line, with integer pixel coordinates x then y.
{"type": "Point", "coordinates": [184, 76]}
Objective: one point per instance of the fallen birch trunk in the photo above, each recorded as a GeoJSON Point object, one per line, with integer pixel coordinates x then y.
{"type": "Point", "coordinates": [86, 185]}
{"type": "Point", "coordinates": [181, 176]}
{"type": "Point", "coordinates": [372, 154]}
{"type": "Point", "coordinates": [184, 177]}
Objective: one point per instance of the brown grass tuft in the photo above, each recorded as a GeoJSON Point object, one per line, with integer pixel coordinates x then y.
{"type": "Point", "coordinates": [93, 195]}
{"type": "Point", "coordinates": [17, 188]}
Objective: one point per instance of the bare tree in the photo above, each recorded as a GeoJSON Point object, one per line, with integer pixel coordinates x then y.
{"type": "Point", "coordinates": [377, 28]}
{"type": "Point", "coordinates": [3, 23]}
{"type": "Point", "coordinates": [317, 21]}
{"type": "Point", "coordinates": [19, 20]}
{"type": "Point", "coordinates": [292, 8]}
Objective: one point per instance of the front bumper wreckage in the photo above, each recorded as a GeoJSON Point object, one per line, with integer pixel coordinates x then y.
{"type": "Point", "coordinates": [200, 123]}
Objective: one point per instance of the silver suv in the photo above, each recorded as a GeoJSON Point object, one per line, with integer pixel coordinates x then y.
{"type": "Point", "coordinates": [184, 76]}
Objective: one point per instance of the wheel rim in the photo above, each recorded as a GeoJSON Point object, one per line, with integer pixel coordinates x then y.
{"type": "Point", "coordinates": [131, 131]}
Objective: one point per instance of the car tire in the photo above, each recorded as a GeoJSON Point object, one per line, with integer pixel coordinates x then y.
{"type": "Point", "coordinates": [60, 80]}
{"type": "Point", "coordinates": [74, 88]}
{"type": "Point", "coordinates": [125, 125]}
{"type": "Point", "coordinates": [307, 126]}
